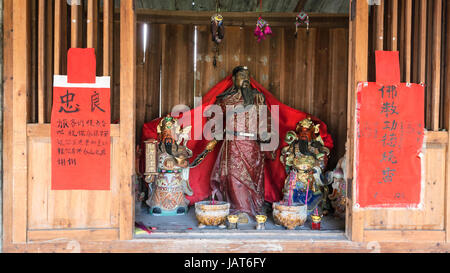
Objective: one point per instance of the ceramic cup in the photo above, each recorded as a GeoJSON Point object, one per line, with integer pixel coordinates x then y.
{"type": "Point", "coordinates": [261, 221]}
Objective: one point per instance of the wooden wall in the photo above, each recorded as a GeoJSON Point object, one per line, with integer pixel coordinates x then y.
{"type": "Point", "coordinates": [421, 37]}
{"type": "Point", "coordinates": [419, 30]}
{"type": "Point", "coordinates": [308, 73]}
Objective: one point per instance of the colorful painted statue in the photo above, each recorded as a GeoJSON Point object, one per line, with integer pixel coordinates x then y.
{"type": "Point", "coordinates": [338, 197]}
{"type": "Point", "coordinates": [238, 175]}
{"type": "Point", "coordinates": [305, 159]}
{"type": "Point", "coordinates": [171, 183]}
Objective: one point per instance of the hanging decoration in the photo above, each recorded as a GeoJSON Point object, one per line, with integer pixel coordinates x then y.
{"type": "Point", "coordinates": [217, 31]}
{"type": "Point", "coordinates": [301, 19]}
{"type": "Point", "coordinates": [262, 27]}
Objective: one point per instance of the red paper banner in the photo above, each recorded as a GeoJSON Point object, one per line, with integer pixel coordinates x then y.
{"type": "Point", "coordinates": [390, 130]}
{"type": "Point", "coordinates": [80, 129]}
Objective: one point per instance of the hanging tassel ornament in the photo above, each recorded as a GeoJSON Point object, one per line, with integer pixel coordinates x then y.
{"type": "Point", "coordinates": [301, 19]}
{"type": "Point", "coordinates": [217, 31]}
{"type": "Point", "coordinates": [262, 29]}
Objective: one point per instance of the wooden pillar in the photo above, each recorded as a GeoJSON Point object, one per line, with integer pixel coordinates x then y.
{"type": "Point", "coordinates": [92, 24]}
{"type": "Point", "coordinates": [7, 122]}
{"type": "Point", "coordinates": [436, 65]}
{"type": "Point", "coordinates": [59, 4]}
{"type": "Point", "coordinates": [447, 121]}
{"type": "Point", "coordinates": [1, 125]}
{"type": "Point", "coordinates": [20, 88]}
{"type": "Point", "coordinates": [41, 59]}
{"type": "Point", "coordinates": [380, 26]}
{"type": "Point", "coordinates": [75, 29]}
{"type": "Point", "coordinates": [408, 35]}
{"type": "Point", "coordinates": [127, 116]}
{"type": "Point", "coordinates": [108, 14]}
{"type": "Point", "coordinates": [423, 41]}
{"type": "Point", "coordinates": [394, 26]}
{"type": "Point", "coordinates": [358, 68]}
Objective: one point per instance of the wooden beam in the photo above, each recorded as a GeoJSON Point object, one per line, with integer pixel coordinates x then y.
{"type": "Point", "coordinates": [447, 123]}
{"type": "Point", "coordinates": [239, 18]}
{"type": "Point", "coordinates": [108, 14]}
{"type": "Point", "coordinates": [408, 27]}
{"type": "Point", "coordinates": [41, 59]}
{"type": "Point", "coordinates": [394, 25]}
{"type": "Point", "coordinates": [87, 235]}
{"type": "Point", "coordinates": [75, 25]}
{"type": "Point", "coordinates": [7, 122]}
{"type": "Point", "coordinates": [380, 26]}
{"type": "Point", "coordinates": [436, 65]}
{"type": "Point", "coordinates": [404, 236]}
{"type": "Point", "coordinates": [226, 244]}
{"type": "Point", "coordinates": [20, 90]}
{"type": "Point", "coordinates": [423, 42]}
{"type": "Point", "coordinates": [92, 24]}
{"type": "Point", "coordinates": [436, 137]}
{"type": "Point", "coordinates": [350, 92]}
{"type": "Point", "coordinates": [127, 116]}
{"type": "Point", "coordinates": [59, 4]}
{"type": "Point", "coordinates": [49, 54]}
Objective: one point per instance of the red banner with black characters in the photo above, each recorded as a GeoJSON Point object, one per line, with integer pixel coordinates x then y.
{"type": "Point", "coordinates": [389, 138]}
{"type": "Point", "coordinates": [80, 126]}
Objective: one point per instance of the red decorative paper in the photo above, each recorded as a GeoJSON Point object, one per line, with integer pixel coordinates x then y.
{"type": "Point", "coordinates": [389, 139]}
{"type": "Point", "coordinates": [80, 128]}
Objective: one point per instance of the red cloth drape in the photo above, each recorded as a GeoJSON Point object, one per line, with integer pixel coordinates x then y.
{"type": "Point", "coordinates": [199, 177]}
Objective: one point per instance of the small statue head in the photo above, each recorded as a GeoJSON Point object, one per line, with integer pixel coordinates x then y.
{"type": "Point", "coordinates": [241, 77]}
{"type": "Point", "coordinates": [306, 129]}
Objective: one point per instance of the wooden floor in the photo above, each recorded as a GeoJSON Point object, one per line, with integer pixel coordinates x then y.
{"type": "Point", "coordinates": [227, 245]}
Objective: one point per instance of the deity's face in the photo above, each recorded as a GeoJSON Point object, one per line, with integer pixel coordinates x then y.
{"type": "Point", "coordinates": [305, 134]}
{"type": "Point", "coordinates": [242, 79]}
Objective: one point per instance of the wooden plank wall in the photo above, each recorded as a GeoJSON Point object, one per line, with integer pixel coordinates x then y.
{"type": "Point", "coordinates": [419, 30]}
{"type": "Point", "coordinates": [40, 211]}
{"type": "Point", "coordinates": [308, 73]}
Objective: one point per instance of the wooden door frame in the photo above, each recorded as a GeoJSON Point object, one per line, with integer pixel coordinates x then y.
{"type": "Point", "coordinates": [357, 72]}
{"type": "Point", "coordinates": [127, 117]}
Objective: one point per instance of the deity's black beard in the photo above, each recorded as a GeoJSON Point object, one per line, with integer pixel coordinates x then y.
{"type": "Point", "coordinates": [247, 95]}
{"type": "Point", "coordinates": [303, 147]}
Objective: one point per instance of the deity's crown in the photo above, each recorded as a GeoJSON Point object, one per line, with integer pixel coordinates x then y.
{"type": "Point", "coordinates": [306, 123]}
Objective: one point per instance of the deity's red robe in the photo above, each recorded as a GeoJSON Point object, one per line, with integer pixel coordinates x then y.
{"type": "Point", "coordinates": [238, 175]}
{"type": "Point", "coordinates": [274, 172]}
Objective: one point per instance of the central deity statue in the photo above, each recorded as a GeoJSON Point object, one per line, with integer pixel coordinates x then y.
{"type": "Point", "coordinates": [238, 174]}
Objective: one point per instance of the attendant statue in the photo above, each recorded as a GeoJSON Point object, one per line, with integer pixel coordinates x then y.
{"type": "Point", "coordinates": [338, 197]}
{"type": "Point", "coordinates": [305, 159]}
{"type": "Point", "coordinates": [170, 183]}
